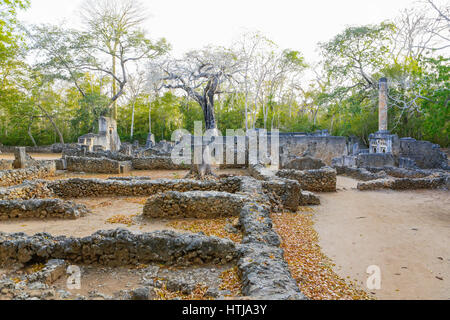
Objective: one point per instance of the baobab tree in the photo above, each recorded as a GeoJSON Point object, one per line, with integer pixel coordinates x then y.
{"type": "Point", "coordinates": [200, 74]}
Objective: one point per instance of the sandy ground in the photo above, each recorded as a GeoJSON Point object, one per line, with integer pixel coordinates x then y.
{"type": "Point", "coordinates": [36, 156]}
{"type": "Point", "coordinates": [102, 210]}
{"type": "Point", "coordinates": [406, 234]}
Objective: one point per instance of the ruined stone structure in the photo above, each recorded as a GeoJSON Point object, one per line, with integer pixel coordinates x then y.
{"type": "Point", "coordinates": [107, 138]}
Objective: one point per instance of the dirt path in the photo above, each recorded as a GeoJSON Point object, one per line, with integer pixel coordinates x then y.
{"type": "Point", "coordinates": [406, 234]}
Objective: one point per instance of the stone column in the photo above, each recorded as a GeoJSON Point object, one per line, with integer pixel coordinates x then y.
{"type": "Point", "coordinates": [20, 156]}
{"type": "Point", "coordinates": [383, 106]}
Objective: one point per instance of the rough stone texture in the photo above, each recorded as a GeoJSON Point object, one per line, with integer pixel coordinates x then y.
{"type": "Point", "coordinates": [118, 248]}
{"type": "Point", "coordinates": [194, 204]}
{"type": "Point", "coordinates": [97, 165]}
{"type": "Point", "coordinates": [6, 164]}
{"type": "Point", "coordinates": [308, 199]}
{"type": "Point", "coordinates": [79, 188]}
{"type": "Point", "coordinates": [80, 152]}
{"type": "Point", "coordinates": [265, 274]}
{"type": "Point", "coordinates": [53, 270]}
{"type": "Point", "coordinates": [375, 160]}
{"type": "Point", "coordinates": [359, 173]}
{"type": "Point", "coordinates": [324, 148]}
{"type": "Point", "coordinates": [41, 209]}
{"type": "Point", "coordinates": [303, 163]}
{"type": "Point", "coordinates": [27, 190]}
{"type": "Point", "coordinates": [425, 154]}
{"type": "Point", "coordinates": [286, 192]}
{"type": "Point", "coordinates": [157, 163]}
{"type": "Point", "coordinates": [404, 184]}
{"type": "Point", "coordinates": [14, 177]}
{"type": "Point", "coordinates": [321, 180]}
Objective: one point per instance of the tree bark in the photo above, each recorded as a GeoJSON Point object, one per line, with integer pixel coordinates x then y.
{"type": "Point", "coordinates": [132, 121]}
{"type": "Point", "coordinates": [50, 118]}
{"type": "Point", "coordinates": [29, 132]}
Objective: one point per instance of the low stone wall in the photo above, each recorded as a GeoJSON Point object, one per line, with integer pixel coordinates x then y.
{"type": "Point", "coordinates": [79, 188]}
{"type": "Point", "coordinates": [359, 173]}
{"type": "Point", "coordinates": [6, 164]}
{"type": "Point", "coordinates": [118, 248]}
{"type": "Point", "coordinates": [157, 163]}
{"type": "Point", "coordinates": [285, 192]}
{"type": "Point", "coordinates": [308, 199]}
{"type": "Point", "coordinates": [27, 190]}
{"type": "Point", "coordinates": [79, 152]}
{"type": "Point", "coordinates": [97, 165]}
{"type": "Point", "coordinates": [264, 272]}
{"type": "Point", "coordinates": [404, 184]}
{"type": "Point", "coordinates": [14, 177]}
{"type": "Point", "coordinates": [302, 163]}
{"type": "Point", "coordinates": [322, 180]}
{"type": "Point", "coordinates": [194, 204]}
{"type": "Point", "coordinates": [41, 209]}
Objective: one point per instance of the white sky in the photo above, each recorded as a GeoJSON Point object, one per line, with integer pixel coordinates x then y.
{"type": "Point", "coordinates": [191, 24]}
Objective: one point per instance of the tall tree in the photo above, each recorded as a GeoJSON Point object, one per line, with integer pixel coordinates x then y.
{"type": "Point", "coordinates": [200, 74]}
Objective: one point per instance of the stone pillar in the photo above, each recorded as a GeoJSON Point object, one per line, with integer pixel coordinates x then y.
{"type": "Point", "coordinates": [20, 156]}
{"type": "Point", "coordinates": [383, 106]}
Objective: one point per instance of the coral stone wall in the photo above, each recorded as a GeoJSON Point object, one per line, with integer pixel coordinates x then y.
{"type": "Point", "coordinates": [194, 204]}
{"type": "Point", "coordinates": [157, 163]}
{"type": "Point", "coordinates": [78, 188]}
{"type": "Point", "coordinates": [14, 177]}
{"type": "Point", "coordinates": [96, 165]}
{"type": "Point", "coordinates": [322, 180]}
{"type": "Point", "coordinates": [118, 248]}
{"type": "Point", "coordinates": [323, 148]}
{"type": "Point", "coordinates": [41, 209]}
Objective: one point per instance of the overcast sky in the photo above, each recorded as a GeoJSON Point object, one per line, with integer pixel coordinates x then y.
{"type": "Point", "coordinates": [191, 24]}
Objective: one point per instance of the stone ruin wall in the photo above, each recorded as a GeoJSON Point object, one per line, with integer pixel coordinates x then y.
{"type": "Point", "coordinates": [79, 188]}
{"type": "Point", "coordinates": [41, 209]}
{"type": "Point", "coordinates": [15, 177]}
{"type": "Point", "coordinates": [97, 165]}
{"type": "Point", "coordinates": [194, 204]}
{"type": "Point", "coordinates": [324, 148]}
{"type": "Point", "coordinates": [118, 248]}
{"type": "Point", "coordinates": [321, 180]}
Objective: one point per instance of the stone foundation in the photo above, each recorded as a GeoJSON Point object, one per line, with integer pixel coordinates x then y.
{"type": "Point", "coordinates": [97, 165]}
{"type": "Point", "coordinates": [359, 173]}
{"type": "Point", "coordinates": [14, 177]}
{"type": "Point", "coordinates": [157, 163]}
{"type": "Point", "coordinates": [194, 204]}
{"type": "Point", "coordinates": [322, 180]}
{"type": "Point", "coordinates": [302, 163]}
{"type": "Point", "coordinates": [41, 209]}
{"type": "Point", "coordinates": [26, 191]}
{"type": "Point", "coordinates": [118, 248]}
{"type": "Point", "coordinates": [80, 188]}
{"type": "Point", "coordinates": [405, 184]}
